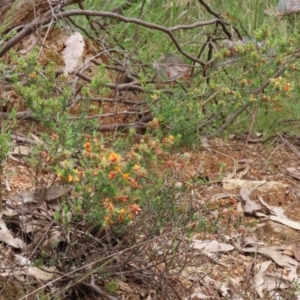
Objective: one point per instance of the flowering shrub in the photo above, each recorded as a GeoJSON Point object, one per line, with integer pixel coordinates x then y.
{"type": "Point", "coordinates": [109, 186]}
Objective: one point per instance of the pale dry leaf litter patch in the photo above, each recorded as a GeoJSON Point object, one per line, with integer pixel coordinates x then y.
{"type": "Point", "coordinates": [73, 52]}
{"type": "Point", "coordinates": [273, 272]}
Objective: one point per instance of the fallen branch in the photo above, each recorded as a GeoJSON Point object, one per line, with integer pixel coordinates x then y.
{"type": "Point", "coordinates": [19, 115]}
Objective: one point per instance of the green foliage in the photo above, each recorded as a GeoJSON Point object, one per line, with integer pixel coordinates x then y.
{"type": "Point", "coordinates": [178, 114]}
{"type": "Point", "coordinates": [112, 287]}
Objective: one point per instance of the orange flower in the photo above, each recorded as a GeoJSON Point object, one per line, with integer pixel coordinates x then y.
{"type": "Point", "coordinates": [112, 175]}
{"type": "Point", "coordinates": [122, 211]}
{"type": "Point", "coordinates": [123, 198]}
{"type": "Point", "coordinates": [79, 173]}
{"type": "Point", "coordinates": [110, 207]}
{"type": "Point", "coordinates": [106, 202]}
{"type": "Point", "coordinates": [88, 147]}
{"type": "Point", "coordinates": [131, 154]}
{"type": "Point", "coordinates": [32, 75]}
{"type": "Point", "coordinates": [70, 178]}
{"type": "Point", "coordinates": [108, 220]}
{"type": "Point", "coordinates": [114, 157]}
{"type": "Point", "coordinates": [136, 167]}
{"type": "Point", "coordinates": [287, 87]}
{"type": "Point", "coordinates": [169, 140]}
{"type": "Point", "coordinates": [54, 137]}
{"type": "Point", "coordinates": [122, 215]}
{"type": "Point", "coordinates": [117, 168]}
{"type": "Point", "coordinates": [121, 218]}
{"type": "Point", "coordinates": [135, 209]}
{"type": "Point", "coordinates": [125, 176]}
{"type": "Point", "coordinates": [95, 172]}
{"type": "Point", "coordinates": [133, 183]}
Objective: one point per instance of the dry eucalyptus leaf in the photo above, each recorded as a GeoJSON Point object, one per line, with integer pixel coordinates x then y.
{"type": "Point", "coordinates": [40, 274]}
{"type": "Point", "coordinates": [205, 144]}
{"type": "Point", "coordinates": [73, 52]}
{"type": "Point", "coordinates": [294, 174]}
{"type": "Point", "coordinates": [54, 238]}
{"type": "Point", "coordinates": [211, 246]}
{"type": "Point", "coordinates": [260, 185]}
{"type": "Point", "coordinates": [279, 258]}
{"type": "Point", "coordinates": [296, 250]}
{"type": "Point", "coordinates": [199, 295]}
{"type": "Point", "coordinates": [274, 210]}
{"type": "Point", "coordinates": [22, 151]}
{"type": "Point", "coordinates": [288, 252]}
{"type": "Point", "coordinates": [171, 67]}
{"type": "Point", "coordinates": [215, 257]}
{"type": "Point", "coordinates": [285, 221]}
{"type": "Point", "coordinates": [29, 44]}
{"type": "Point", "coordinates": [7, 237]}
{"type": "Point", "coordinates": [273, 282]}
{"type": "Point", "coordinates": [259, 283]}
{"type": "Point", "coordinates": [250, 206]}
{"type": "Point", "coordinates": [37, 139]}
{"type": "Point", "coordinates": [34, 271]}
{"type": "Point", "coordinates": [47, 194]}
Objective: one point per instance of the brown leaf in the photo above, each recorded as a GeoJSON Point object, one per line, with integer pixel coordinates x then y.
{"type": "Point", "coordinates": [296, 250]}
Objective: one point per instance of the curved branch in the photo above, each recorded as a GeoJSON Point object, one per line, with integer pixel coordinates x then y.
{"type": "Point", "coordinates": [19, 115]}
{"type": "Point", "coordinates": [169, 31]}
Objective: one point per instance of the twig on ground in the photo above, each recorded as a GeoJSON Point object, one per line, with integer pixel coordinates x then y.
{"type": "Point", "coordinates": [96, 289]}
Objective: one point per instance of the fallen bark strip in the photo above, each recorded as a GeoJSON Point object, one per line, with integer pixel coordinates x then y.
{"type": "Point", "coordinates": [19, 115]}
{"type": "Point", "coordinates": [140, 125]}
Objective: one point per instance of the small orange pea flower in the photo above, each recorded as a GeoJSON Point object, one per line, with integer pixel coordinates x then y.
{"type": "Point", "coordinates": [131, 154]}
{"type": "Point", "coordinates": [136, 167]}
{"type": "Point", "coordinates": [79, 173]}
{"type": "Point", "coordinates": [54, 137]}
{"type": "Point", "coordinates": [135, 209]}
{"type": "Point", "coordinates": [121, 218]}
{"type": "Point", "coordinates": [32, 75]}
{"type": "Point", "coordinates": [287, 87]}
{"type": "Point", "coordinates": [108, 220]}
{"type": "Point", "coordinates": [169, 139]}
{"type": "Point", "coordinates": [88, 147]}
{"type": "Point", "coordinates": [117, 168]}
{"type": "Point", "coordinates": [232, 200]}
{"type": "Point", "coordinates": [125, 176]}
{"type": "Point", "coordinates": [158, 151]}
{"type": "Point", "coordinates": [133, 183]}
{"type": "Point", "coordinates": [122, 211]}
{"type": "Point", "coordinates": [70, 178]}
{"type": "Point", "coordinates": [110, 207]}
{"type": "Point", "coordinates": [114, 157]}
{"type": "Point", "coordinates": [76, 178]}
{"type": "Point", "coordinates": [122, 215]}
{"type": "Point", "coordinates": [123, 198]}
{"type": "Point", "coordinates": [243, 82]}
{"type": "Point", "coordinates": [106, 202]}
{"type": "Point", "coordinates": [112, 175]}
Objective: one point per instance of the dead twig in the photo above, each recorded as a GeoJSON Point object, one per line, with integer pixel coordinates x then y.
{"type": "Point", "coordinates": [96, 289]}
